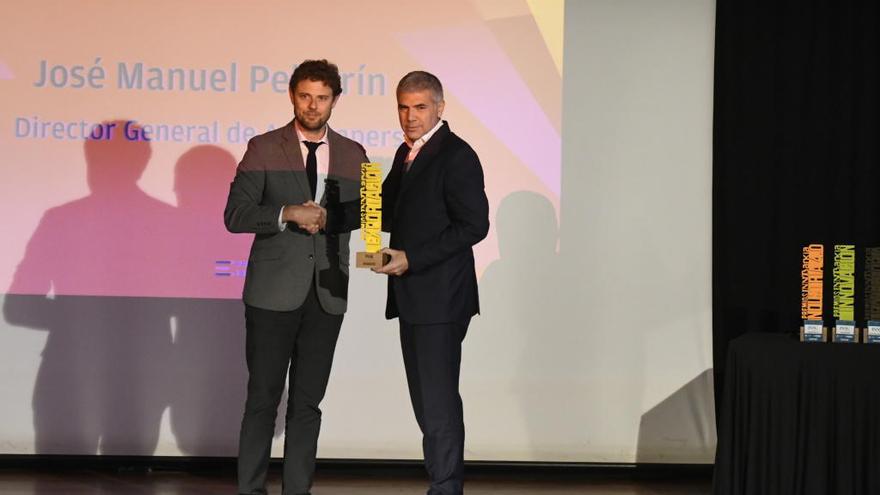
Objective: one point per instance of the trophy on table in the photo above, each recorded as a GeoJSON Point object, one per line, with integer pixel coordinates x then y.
{"type": "Point", "coordinates": [813, 329]}
{"type": "Point", "coordinates": [844, 294]}
{"type": "Point", "coordinates": [871, 332]}
{"type": "Point", "coordinates": [371, 217]}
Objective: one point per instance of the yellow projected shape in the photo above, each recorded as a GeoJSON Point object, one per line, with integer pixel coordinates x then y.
{"type": "Point", "coordinates": [550, 17]}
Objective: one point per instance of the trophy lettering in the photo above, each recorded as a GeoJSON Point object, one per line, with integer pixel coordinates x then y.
{"type": "Point", "coordinates": [371, 217]}
{"type": "Point", "coordinates": [844, 294]}
{"type": "Point", "coordinates": [813, 329]}
{"type": "Point", "coordinates": [871, 333]}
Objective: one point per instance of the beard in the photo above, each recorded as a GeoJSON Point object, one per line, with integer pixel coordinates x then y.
{"type": "Point", "coordinates": [312, 123]}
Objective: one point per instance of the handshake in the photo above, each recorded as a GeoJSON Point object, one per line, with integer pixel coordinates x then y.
{"type": "Point", "coordinates": [309, 216]}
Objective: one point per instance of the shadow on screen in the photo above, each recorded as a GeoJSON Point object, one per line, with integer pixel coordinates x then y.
{"type": "Point", "coordinates": [101, 385]}
{"type": "Point", "coordinates": [525, 310]}
{"type": "Point", "coordinates": [206, 397]}
{"type": "Point", "coordinates": [112, 365]}
{"type": "Point", "coordinates": [680, 429]}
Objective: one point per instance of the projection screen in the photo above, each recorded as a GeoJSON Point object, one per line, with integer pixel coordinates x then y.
{"type": "Point", "coordinates": [121, 126]}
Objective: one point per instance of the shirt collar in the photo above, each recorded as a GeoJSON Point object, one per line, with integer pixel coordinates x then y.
{"type": "Point", "coordinates": [418, 143]}
{"type": "Point", "coordinates": [300, 137]}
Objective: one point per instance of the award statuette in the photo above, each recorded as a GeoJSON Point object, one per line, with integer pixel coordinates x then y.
{"type": "Point", "coordinates": [871, 334]}
{"type": "Point", "coordinates": [371, 217]}
{"type": "Point", "coordinates": [813, 329]}
{"type": "Point", "coordinates": [844, 294]}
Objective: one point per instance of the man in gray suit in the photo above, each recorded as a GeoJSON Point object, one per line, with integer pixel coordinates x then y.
{"type": "Point", "coordinates": [297, 277]}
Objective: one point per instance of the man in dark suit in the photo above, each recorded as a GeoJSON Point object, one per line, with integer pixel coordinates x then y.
{"type": "Point", "coordinates": [297, 277]}
{"type": "Point", "coordinates": [435, 206]}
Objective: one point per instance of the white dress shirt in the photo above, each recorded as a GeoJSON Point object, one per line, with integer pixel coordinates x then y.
{"type": "Point", "coordinates": [323, 156]}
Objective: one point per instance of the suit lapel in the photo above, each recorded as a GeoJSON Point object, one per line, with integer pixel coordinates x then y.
{"type": "Point", "coordinates": [425, 157]}
{"type": "Point", "coordinates": [292, 151]}
{"type": "Point", "coordinates": [395, 176]}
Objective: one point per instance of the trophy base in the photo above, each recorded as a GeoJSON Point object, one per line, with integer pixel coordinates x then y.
{"type": "Point", "coordinates": [871, 334]}
{"type": "Point", "coordinates": [371, 260]}
{"type": "Point", "coordinates": [812, 334]}
{"type": "Point", "coordinates": [845, 332]}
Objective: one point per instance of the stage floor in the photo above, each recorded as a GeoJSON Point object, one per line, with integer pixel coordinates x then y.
{"type": "Point", "coordinates": [112, 482]}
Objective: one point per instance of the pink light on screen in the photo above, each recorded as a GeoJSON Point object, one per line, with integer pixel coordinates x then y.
{"type": "Point", "coordinates": [5, 72]}
{"type": "Point", "coordinates": [475, 69]}
{"type": "Point", "coordinates": [120, 241]}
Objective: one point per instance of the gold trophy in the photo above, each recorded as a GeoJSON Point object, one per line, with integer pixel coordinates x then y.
{"type": "Point", "coordinates": [813, 328]}
{"type": "Point", "coordinates": [844, 329]}
{"type": "Point", "coordinates": [371, 217]}
{"type": "Point", "coordinates": [871, 332]}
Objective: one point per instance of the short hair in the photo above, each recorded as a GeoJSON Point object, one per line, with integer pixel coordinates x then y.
{"type": "Point", "coordinates": [419, 80]}
{"type": "Point", "coordinates": [317, 70]}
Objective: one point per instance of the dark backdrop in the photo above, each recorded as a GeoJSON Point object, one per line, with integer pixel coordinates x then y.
{"type": "Point", "coordinates": [795, 155]}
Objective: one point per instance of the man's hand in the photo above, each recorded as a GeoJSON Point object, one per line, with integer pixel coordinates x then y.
{"type": "Point", "coordinates": [322, 220]}
{"type": "Point", "coordinates": [398, 264]}
{"type": "Point", "coordinates": [309, 216]}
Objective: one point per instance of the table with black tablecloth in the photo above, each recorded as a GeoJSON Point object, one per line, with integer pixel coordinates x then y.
{"type": "Point", "coordinates": [799, 418]}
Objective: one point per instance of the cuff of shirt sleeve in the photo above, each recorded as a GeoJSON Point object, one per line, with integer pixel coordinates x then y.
{"type": "Point", "coordinates": [282, 226]}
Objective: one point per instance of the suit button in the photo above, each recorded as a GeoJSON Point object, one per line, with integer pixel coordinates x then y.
{"type": "Point", "coordinates": [311, 256]}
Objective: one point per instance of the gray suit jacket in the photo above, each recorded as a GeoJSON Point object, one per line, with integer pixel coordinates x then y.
{"type": "Point", "coordinates": [282, 264]}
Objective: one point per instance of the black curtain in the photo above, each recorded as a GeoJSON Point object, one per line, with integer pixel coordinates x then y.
{"type": "Point", "coordinates": [795, 157]}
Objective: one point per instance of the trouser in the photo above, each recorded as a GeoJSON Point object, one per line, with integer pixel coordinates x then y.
{"type": "Point", "coordinates": [432, 357]}
{"type": "Point", "coordinates": [304, 341]}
